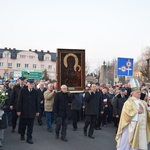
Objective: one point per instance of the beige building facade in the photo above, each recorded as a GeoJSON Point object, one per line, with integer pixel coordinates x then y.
{"type": "Point", "coordinates": [27, 60]}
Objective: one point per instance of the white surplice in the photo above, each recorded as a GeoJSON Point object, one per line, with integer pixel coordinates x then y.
{"type": "Point", "coordinates": [128, 130]}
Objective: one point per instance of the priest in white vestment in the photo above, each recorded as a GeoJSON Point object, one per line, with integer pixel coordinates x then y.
{"type": "Point", "coordinates": [134, 126]}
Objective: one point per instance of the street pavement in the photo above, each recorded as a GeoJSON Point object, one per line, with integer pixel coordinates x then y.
{"type": "Point", "coordinates": [44, 140]}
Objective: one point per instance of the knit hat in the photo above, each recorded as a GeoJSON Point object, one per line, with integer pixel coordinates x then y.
{"type": "Point", "coordinates": [105, 87]}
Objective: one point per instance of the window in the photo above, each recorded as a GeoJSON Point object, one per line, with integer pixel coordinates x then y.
{"type": "Point", "coordinates": [26, 65]}
{"type": "Point", "coordinates": [50, 67]}
{"type": "Point", "coordinates": [34, 65]}
{"type": "Point", "coordinates": [22, 56]}
{"type": "Point", "coordinates": [6, 55]}
{"type": "Point", "coordinates": [18, 65]}
{"type": "Point", "coordinates": [9, 65]}
{"type": "Point", "coordinates": [31, 57]}
{"type": "Point", "coordinates": [46, 58]}
{"type": "Point", "coordinates": [42, 66]}
{"type": "Point", "coordinates": [1, 64]}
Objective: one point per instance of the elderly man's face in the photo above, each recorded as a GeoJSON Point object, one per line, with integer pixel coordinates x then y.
{"type": "Point", "coordinates": [64, 89]}
{"type": "Point", "coordinates": [136, 93]}
{"type": "Point", "coordinates": [50, 87]}
{"type": "Point", "coordinates": [41, 85]}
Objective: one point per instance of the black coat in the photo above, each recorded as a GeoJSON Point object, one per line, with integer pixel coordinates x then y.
{"type": "Point", "coordinates": [142, 97]}
{"type": "Point", "coordinates": [41, 96]}
{"type": "Point", "coordinates": [14, 95]}
{"type": "Point", "coordinates": [7, 101]}
{"type": "Point", "coordinates": [61, 104]}
{"type": "Point", "coordinates": [128, 92]}
{"type": "Point", "coordinates": [77, 101]}
{"type": "Point", "coordinates": [118, 104]}
{"type": "Point", "coordinates": [101, 105]}
{"type": "Point", "coordinates": [3, 122]}
{"type": "Point", "coordinates": [92, 103]}
{"type": "Point", "coordinates": [28, 103]}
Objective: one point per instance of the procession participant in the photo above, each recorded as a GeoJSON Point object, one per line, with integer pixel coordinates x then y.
{"type": "Point", "coordinates": [3, 115]}
{"type": "Point", "coordinates": [118, 103]}
{"type": "Point", "coordinates": [28, 109]}
{"type": "Point", "coordinates": [48, 105]}
{"type": "Point", "coordinates": [41, 91]}
{"type": "Point", "coordinates": [14, 101]}
{"type": "Point", "coordinates": [107, 106]}
{"type": "Point", "coordinates": [134, 126]}
{"type": "Point", "coordinates": [92, 107]}
{"type": "Point", "coordinates": [61, 111]}
{"type": "Point", "coordinates": [101, 108]}
{"type": "Point", "coordinates": [76, 105]}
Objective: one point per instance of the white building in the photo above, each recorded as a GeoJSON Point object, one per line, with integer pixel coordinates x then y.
{"type": "Point", "coordinates": [27, 60]}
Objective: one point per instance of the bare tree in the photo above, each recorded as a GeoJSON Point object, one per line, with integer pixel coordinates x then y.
{"type": "Point", "coordinates": [144, 64]}
{"type": "Point", "coordinates": [111, 66]}
{"type": "Point", "coordinates": [97, 73]}
{"type": "Point", "coordinates": [87, 68]}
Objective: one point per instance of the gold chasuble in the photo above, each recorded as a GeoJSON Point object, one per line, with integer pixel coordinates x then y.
{"type": "Point", "coordinates": [137, 125]}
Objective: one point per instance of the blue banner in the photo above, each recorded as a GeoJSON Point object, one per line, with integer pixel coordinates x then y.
{"type": "Point", "coordinates": [125, 67]}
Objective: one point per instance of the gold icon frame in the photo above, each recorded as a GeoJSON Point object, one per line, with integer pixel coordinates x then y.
{"type": "Point", "coordinates": [71, 73]}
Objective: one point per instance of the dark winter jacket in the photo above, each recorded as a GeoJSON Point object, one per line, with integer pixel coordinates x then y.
{"type": "Point", "coordinates": [15, 94]}
{"type": "Point", "coordinates": [7, 101]}
{"type": "Point", "coordinates": [92, 103]}
{"type": "Point", "coordinates": [61, 104]}
{"type": "Point", "coordinates": [101, 105]}
{"type": "Point", "coordinates": [3, 122]}
{"type": "Point", "coordinates": [41, 96]}
{"type": "Point", "coordinates": [28, 103]}
{"type": "Point", "coordinates": [77, 101]}
{"type": "Point", "coordinates": [118, 104]}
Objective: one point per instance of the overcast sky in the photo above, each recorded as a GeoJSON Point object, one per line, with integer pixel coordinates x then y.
{"type": "Point", "coordinates": [106, 29]}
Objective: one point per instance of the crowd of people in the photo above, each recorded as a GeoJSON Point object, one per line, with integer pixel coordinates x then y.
{"type": "Point", "coordinates": [98, 106]}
